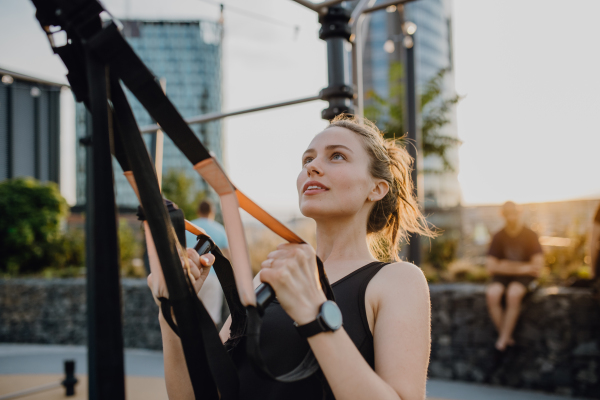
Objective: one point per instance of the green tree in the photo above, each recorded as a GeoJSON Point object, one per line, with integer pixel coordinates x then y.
{"type": "Point", "coordinates": [30, 216]}
{"type": "Point", "coordinates": [181, 189]}
{"type": "Point", "coordinates": [434, 110]}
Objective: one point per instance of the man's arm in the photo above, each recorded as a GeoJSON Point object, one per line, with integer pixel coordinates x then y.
{"type": "Point", "coordinates": [507, 267]}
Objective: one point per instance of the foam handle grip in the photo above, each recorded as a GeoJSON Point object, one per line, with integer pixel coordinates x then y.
{"type": "Point", "coordinates": [264, 296]}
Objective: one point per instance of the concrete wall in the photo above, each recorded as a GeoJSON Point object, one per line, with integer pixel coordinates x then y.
{"type": "Point", "coordinates": [558, 336]}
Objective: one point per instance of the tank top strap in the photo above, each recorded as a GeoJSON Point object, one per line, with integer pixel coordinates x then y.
{"type": "Point", "coordinates": [373, 270]}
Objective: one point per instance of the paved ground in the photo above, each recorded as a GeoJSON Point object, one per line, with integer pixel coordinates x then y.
{"type": "Point", "coordinates": [23, 366]}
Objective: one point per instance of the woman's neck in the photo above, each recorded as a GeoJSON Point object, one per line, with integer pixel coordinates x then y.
{"type": "Point", "coordinates": [343, 239]}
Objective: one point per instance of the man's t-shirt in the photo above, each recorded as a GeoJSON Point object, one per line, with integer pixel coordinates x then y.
{"type": "Point", "coordinates": [518, 248]}
{"type": "Point", "coordinates": [214, 229]}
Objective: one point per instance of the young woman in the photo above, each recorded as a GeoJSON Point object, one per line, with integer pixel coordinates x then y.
{"type": "Point", "coordinates": [357, 187]}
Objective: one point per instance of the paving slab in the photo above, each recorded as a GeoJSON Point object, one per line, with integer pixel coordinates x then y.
{"type": "Point", "coordinates": [26, 365]}
{"type": "Point", "coordinates": [136, 387]}
{"type": "Point", "coordinates": [438, 389]}
{"type": "Point", "coordinates": [48, 359]}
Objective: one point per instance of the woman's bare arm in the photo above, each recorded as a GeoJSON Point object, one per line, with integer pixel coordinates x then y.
{"type": "Point", "coordinates": [177, 378]}
{"type": "Point", "coordinates": [399, 299]}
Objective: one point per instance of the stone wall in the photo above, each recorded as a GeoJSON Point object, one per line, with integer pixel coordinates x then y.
{"type": "Point", "coordinates": [558, 335]}
{"type": "Point", "coordinates": [52, 311]}
{"type": "Point", "coordinates": [557, 340]}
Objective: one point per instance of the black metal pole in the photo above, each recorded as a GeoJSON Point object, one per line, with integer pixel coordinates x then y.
{"type": "Point", "coordinates": [335, 31]}
{"type": "Point", "coordinates": [105, 336]}
{"type": "Point", "coordinates": [414, 142]}
{"type": "Point", "coordinates": [70, 380]}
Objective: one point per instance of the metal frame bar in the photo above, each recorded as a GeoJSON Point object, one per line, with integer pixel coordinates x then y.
{"type": "Point", "coordinates": [200, 119]}
{"type": "Point", "coordinates": [318, 7]}
{"type": "Point", "coordinates": [386, 5]}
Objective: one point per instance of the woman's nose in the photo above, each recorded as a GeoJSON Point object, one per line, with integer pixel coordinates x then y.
{"type": "Point", "coordinates": [313, 169]}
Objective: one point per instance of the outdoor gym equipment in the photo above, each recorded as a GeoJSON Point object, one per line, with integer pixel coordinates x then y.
{"type": "Point", "coordinates": [68, 383]}
{"type": "Point", "coordinates": [99, 60]}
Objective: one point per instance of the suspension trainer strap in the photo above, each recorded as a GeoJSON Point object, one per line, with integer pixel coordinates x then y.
{"type": "Point", "coordinates": [202, 345]}
{"type": "Point", "coordinates": [110, 45]}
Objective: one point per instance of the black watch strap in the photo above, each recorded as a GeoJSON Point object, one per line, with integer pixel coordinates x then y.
{"type": "Point", "coordinates": [311, 329]}
{"type": "Point", "coordinates": [329, 319]}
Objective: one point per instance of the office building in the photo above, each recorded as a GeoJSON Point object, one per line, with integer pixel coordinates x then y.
{"type": "Point", "coordinates": [186, 57]}
{"type": "Point", "coordinates": [29, 127]}
{"type": "Point", "coordinates": [433, 51]}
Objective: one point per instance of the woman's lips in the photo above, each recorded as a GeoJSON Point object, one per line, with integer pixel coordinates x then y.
{"type": "Point", "coordinates": [312, 188]}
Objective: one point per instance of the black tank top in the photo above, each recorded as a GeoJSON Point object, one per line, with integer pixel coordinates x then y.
{"type": "Point", "coordinates": [283, 348]}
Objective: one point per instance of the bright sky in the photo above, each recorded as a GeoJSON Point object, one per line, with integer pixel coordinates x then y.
{"type": "Point", "coordinates": [529, 70]}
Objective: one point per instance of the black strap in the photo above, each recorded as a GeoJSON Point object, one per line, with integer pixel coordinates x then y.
{"type": "Point", "coordinates": [112, 47]}
{"type": "Point", "coordinates": [205, 356]}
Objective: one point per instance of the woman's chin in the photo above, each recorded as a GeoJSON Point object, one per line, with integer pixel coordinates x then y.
{"type": "Point", "coordinates": [318, 211]}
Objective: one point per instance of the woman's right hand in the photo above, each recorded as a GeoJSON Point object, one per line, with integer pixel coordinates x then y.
{"type": "Point", "coordinates": [199, 270]}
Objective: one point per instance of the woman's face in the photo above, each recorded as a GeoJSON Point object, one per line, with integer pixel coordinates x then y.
{"type": "Point", "coordinates": [335, 179]}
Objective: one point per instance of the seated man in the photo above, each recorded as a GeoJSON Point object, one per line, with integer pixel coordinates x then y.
{"type": "Point", "coordinates": [211, 293]}
{"type": "Point", "coordinates": [514, 261]}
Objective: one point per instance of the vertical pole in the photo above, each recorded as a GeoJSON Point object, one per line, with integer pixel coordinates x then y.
{"type": "Point", "coordinates": [335, 31]}
{"type": "Point", "coordinates": [414, 140]}
{"type": "Point", "coordinates": [9, 132]}
{"type": "Point", "coordinates": [105, 336]}
{"type": "Point", "coordinates": [54, 132]}
{"type": "Point", "coordinates": [159, 144]}
{"type": "Point", "coordinates": [36, 137]}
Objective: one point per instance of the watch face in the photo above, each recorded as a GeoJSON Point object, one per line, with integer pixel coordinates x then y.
{"type": "Point", "coordinates": [331, 315]}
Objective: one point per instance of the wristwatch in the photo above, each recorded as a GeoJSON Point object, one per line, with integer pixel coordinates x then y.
{"type": "Point", "coordinates": [329, 319]}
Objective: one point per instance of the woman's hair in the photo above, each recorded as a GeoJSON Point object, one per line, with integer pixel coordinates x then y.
{"type": "Point", "coordinates": [397, 215]}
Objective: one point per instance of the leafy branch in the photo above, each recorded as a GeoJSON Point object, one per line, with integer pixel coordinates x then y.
{"type": "Point", "coordinates": [434, 109]}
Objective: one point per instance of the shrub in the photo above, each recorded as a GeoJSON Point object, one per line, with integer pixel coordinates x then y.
{"type": "Point", "coordinates": [181, 189]}
{"type": "Point", "coordinates": [30, 216]}
{"type": "Point", "coordinates": [131, 251]}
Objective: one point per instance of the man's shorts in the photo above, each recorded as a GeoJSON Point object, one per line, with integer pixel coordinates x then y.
{"type": "Point", "coordinates": [527, 281]}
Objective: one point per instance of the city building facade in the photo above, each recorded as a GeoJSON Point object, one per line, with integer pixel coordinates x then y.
{"type": "Point", "coordinates": [29, 127]}
{"type": "Point", "coordinates": [433, 51]}
{"type": "Point", "coordinates": [186, 57]}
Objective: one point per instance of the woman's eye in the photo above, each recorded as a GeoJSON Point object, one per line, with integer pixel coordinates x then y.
{"type": "Point", "coordinates": [307, 160]}
{"type": "Point", "coordinates": [338, 156]}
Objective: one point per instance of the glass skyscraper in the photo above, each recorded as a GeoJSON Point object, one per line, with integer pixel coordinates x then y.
{"type": "Point", "coordinates": [186, 56]}
{"type": "Point", "coordinates": [433, 51]}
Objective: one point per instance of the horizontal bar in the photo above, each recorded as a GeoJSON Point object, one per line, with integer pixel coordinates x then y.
{"type": "Point", "coordinates": [385, 5]}
{"type": "Point", "coordinates": [200, 119]}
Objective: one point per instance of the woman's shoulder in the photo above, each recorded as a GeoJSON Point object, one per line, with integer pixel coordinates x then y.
{"type": "Point", "coordinates": [399, 280]}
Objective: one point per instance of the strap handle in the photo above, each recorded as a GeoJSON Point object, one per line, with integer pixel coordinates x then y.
{"type": "Point", "coordinates": [309, 364]}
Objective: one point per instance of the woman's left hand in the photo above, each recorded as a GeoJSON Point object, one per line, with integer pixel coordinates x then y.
{"type": "Point", "coordinates": [291, 270]}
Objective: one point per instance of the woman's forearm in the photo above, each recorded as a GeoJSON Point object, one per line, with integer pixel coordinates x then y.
{"type": "Point", "coordinates": [347, 372]}
{"type": "Point", "coordinates": [177, 378]}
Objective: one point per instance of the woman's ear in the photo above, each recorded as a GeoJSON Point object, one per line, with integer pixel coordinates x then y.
{"type": "Point", "coordinates": [379, 191]}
